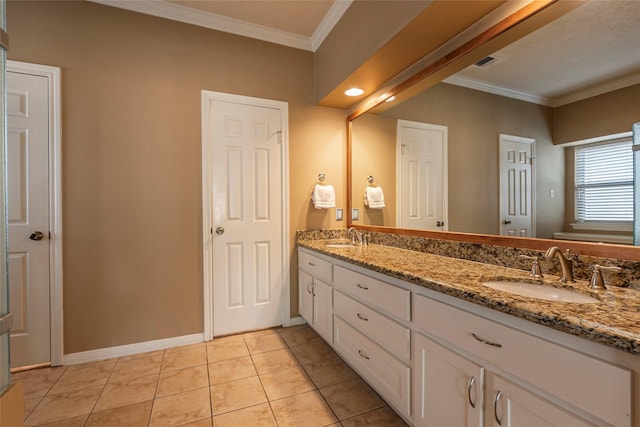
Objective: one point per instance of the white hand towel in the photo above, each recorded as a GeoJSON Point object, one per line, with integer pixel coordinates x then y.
{"type": "Point", "coordinates": [374, 197]}
{"type": "Point", "coordinates": [323, 196]}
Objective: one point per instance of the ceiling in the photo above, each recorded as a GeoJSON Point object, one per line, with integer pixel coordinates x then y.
{"type": "Point", "coordinates": [591, 50]}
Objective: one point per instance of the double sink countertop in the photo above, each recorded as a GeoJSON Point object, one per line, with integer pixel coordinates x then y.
{"type": "Point", "coordinates": [613, 321]}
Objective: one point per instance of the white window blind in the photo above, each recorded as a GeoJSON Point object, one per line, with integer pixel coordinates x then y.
{"type": "Point", "coordinates": [604, 182]}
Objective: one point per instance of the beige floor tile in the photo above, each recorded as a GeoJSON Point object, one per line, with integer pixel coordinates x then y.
{"type": "Point", "coordinates": [286, 383]}
{"type": "Point", "coordinates": [127, 392]}
{"type": "Point", "coordinates": [263, 343]}
{"type": "Point", "coordinates": [226, 348]}
{"type": "Point", "coordinates": [383, 417]}
{"type": "Point", "coordinates": [351, 398]}
{"type": "Point", "coordinates": [259, 415]}
{"type": "Point", "coordinates": [275, 360]}
{"type": "Point", "coordinates": [184, 359]}
{"type": "Point", "coordinates": [37, 382]}
{"type": "Point", "coordinates": [231, 369]}
{"type": "Point", "coordinates": [181, 408]}
{"type": "Point", "coordinates": [136, 415]}
{"type": "Point", "coordinates": [306, 409]}
{"type": "Point", "coordinates": [137, 367]}
{"type": "Point", "coordinates": [172, 382]}
{"type": "Point", "coordinates": [87, 375]}
{"type": "Point", "coordinates": [200, 423]}
{"type": "Point", "coordinates": [227, 397]}
{"type": "Point", "coordinates": [315, 352]}
{"type": "Point", "coordinates": [29, 405]}
{"type": "Point", "coordinates": [260, 333]}
{"type": "Point", "coordinates": [69, 422]}
{"type": "Point", "coordinates": [298, 335]}
{"type": "Point", "coordinates": [185, 347]}
{"type": "Point", "coordinates": [56, 407]}
{"type": "Point", "coordinates": [332, 370]}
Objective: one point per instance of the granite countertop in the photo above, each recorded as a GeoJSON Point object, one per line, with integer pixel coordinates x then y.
{"type": "Point", "coordinates": [614, 322]}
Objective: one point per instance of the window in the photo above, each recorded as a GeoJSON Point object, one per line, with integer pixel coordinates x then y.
{"type": "Point", "coordinates": [604, 183]}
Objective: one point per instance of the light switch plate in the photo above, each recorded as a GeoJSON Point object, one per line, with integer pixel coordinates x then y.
{"type": "Point", "coordinates": [338, 214]}
{"type": "Point", "coordinates": [355, 214]}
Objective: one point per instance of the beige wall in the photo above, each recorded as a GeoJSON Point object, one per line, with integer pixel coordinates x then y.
{"type": "Point", "coordinates": [606, 114]}
{"type": "Point", "coordinates": [474, 120]}
{"type": "Point", "coordinates": [131, 157]}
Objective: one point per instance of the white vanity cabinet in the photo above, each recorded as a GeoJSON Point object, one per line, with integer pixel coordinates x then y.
{"type": "Point", "coordinates": [315, 293]}
{"type": "Point", "coordinates": [372, 333]}
{"type": "Point", "coordinates": [514, 378]}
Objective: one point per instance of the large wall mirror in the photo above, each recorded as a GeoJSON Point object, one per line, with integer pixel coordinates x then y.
{"type": "Point", "coordinates": [574, 79]}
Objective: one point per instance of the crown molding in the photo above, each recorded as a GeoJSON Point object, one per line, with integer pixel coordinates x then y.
{"type": "Point", "coordinates": [338, 8]}
{"type": "Point", "coordinates": [498, 90]}
{"type": "Point", "coordinates": [598, 90]}
{"type": "Point", "coordinates": [212, 21]}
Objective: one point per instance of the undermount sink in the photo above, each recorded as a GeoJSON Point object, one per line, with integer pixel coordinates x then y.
{"type": "Point", "coordinates": [339, 245]}
{"type": "Point", "coordinates": [534, 290]}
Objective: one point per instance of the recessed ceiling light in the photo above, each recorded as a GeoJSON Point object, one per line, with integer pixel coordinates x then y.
{"type": "Point", "coordinates": [354, 91]}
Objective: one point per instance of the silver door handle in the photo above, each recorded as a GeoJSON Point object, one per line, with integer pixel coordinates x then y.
{"type": "Point", "coordinates": [220, 231]}
{"type": "Point", "coordinates": [36, 235]}
{"type": "Point", "coordinates": [507, 221]}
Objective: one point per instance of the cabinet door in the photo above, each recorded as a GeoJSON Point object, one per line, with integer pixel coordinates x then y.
{"type": "Point", "coordinates": [305, 296]}
{"type": "Point", "coordinates": [509, 405]}
{"type": "Point", "coordinates": [323, 309]}
{"type": "Point", "coordinates": [448, 388]}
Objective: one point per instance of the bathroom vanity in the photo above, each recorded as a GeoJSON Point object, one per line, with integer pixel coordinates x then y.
{"type": "Point", "coordinates": [445, 350]}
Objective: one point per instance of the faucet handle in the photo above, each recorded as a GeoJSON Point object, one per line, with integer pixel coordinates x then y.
{"type": "Point", "coordinates": [597, 282]}
{"type": "Point", "coordinates": [536, 271]}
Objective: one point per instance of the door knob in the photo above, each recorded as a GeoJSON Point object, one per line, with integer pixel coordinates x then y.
{"type": "Point", "coordinates": [220, 231]}
{"type": "Point", "coordinates": [36, 235]}
{"type": "Point", "coordinates": [507, 221]}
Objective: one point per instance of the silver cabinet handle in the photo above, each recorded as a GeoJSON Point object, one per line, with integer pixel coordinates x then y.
{"type": "Point", "coordinates": [364, 356]}
{"type": "Point", "coordinates": [484, 341]}
{"type": "Point", "coordinates": [313, 289]}
{"type": "Point", "coordinates": [472, 381]}
{"type": "Point", "coordinates": [311, 264]}
{"type": "Point", "coordinates": [495, 407]}
{"type": "Point", "coordinates": [362, 287]}
{"type": "Point", "coordinates": [309, 287]}
{"type": "Point", "coordinates": [361, 317]}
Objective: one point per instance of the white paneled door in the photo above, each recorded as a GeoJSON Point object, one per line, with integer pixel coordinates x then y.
{"type": "Point", "coordinates": [247, 215]}
{"type": "Point", "coordinates": [517, 201]}
{"type": "Point", "coordinates": [422, 183]}
{"type": "Point", "coordinates": [28, 203]}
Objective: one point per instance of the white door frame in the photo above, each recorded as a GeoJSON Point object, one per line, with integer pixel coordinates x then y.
{"type": "Point", "coordinates": [503, 138]}
{"type": "Point", "coordinates": [55, 199]}
{"type": "Point", "coordinates": [207, 97]}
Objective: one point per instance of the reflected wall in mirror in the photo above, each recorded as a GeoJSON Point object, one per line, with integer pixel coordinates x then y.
{"type": "Point", "coordinates": [475, 119]}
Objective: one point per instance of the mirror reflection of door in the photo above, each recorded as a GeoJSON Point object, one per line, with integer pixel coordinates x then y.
{"type": "Point", "coordinates": [517, 203]}
{"type": "Point", "coordinates": [422, 181]}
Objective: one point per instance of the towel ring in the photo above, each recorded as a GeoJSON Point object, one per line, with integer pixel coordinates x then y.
{"type": "Point", "coordinates": [321, 177]}
{"type": "Point", "coordinates": [371, 181]}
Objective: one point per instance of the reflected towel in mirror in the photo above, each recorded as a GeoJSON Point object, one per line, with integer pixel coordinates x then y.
{"type": "Point", "coordinates": [374, 197]}
{"type": "Point", "coordinates": [323, 196]}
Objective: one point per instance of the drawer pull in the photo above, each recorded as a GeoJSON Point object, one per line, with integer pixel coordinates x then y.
{"type": "Point", "coordinates": [482, 340]}
{"type": "Point", "coordinates": [495, 408]}
{"type": "Point", "coordinates": [362, 287]}
{"type": "Point", "coordinates": [311, 264]}
{"type": "Point", "coordinates": [472, 381]}
{"type": "Point", "coordinates": [364, 356]}
{"type": "Point", "coordinates": [361, 317]}
{"type": "Point", "coordinates": [309, 287]}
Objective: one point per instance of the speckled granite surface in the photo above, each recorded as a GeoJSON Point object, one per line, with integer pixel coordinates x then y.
{"type": "Point", "coordinates": [615, 321]}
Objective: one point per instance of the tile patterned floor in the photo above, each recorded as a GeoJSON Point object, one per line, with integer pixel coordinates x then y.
{"type": "Point", "coordinates": [276, 377]}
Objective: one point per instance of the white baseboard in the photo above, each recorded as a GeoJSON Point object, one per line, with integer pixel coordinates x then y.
{"type": "Point", "coordinates": [295, 321]}
{"type": "Point", "coordinates": [129, 349]}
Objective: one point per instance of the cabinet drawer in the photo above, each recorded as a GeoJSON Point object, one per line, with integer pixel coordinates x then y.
{"type": "Point", "coordinates": [389, 376]}
{"type": "Point", "coordinates": [315, 266]}
{"type": "Point", "coordinates": [394, 337]}
{"type": "Point", "coordinates": [597, 387]}
{"type": "Point", "coordinates": [390, 299]}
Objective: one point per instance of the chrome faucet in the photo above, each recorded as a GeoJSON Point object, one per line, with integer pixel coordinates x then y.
{"type": "Point", "coordinates": [354, 234]}
{"type": "Point", "coordinates": [567, 270]}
